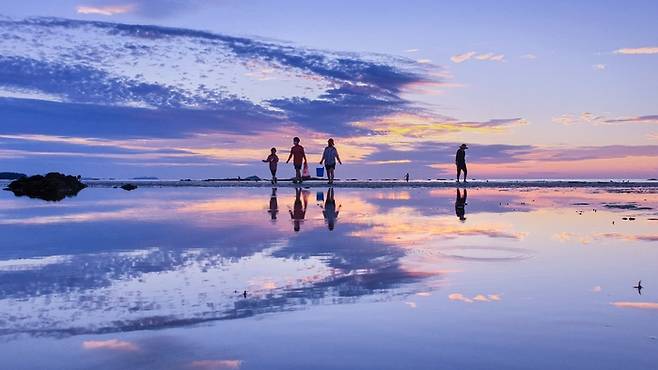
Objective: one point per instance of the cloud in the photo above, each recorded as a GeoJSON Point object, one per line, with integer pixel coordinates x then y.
{"type": "Point", "coordinates": [638, 51]}
{"type": "Point", "coordinates": [105, 10]}
{"type": "Point", "coordinates": [598, 67]}
{"type": "Point", "coordinates": [528, 56]}
{"type": "Point", "coordinates": [110, 344]}
{"type": "Point", "coordinates": [591, 118]}
{"type": "Point", "coordinates": [144, 8]}
{"type": "Point", "coordinates": [637, 305]}
{"type": "Point", "coordinates": [215, 364]}
{"type": "Point", "coordinates": [460, 58]}
{"type": "Point", "coordinates": [477, 298]}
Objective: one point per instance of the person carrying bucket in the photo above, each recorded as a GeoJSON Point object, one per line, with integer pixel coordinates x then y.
{"type": "Point", "coordinates": [329, 157]}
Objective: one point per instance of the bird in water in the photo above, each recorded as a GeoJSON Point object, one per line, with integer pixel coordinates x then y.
{"type": "Point", "coordinates": [639, 287]}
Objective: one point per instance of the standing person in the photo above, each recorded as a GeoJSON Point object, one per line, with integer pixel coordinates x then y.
{"type": "Point", "coordinates": [460, 161]}
{"type": "Point", "coordinates": [329, 157]}
{"type": "Point", "coordinates": [406, 177]}
{"type": "Point", "coordinates": [273, 160]}
{"type": "Point", "coordinates": [299, 158]}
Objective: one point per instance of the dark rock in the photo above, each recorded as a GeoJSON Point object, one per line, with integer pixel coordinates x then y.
{"type": "Point", "coordinates": [128, 187]}
{"type": "Point", "coordinates": [11, 175]}
{"type": "Point", "coordinates": [52, 187]}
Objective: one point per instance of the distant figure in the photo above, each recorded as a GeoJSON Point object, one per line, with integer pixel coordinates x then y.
{"type": "Point", "coordinates": [298, 213]}
{"type": "Point", "coordinates": [639, 287]}
{"type": "Point", "coordinates": [329, 157]}
{"type": "Point", "coordinates": [329, 211]}
{"type": "Point", "coordinates": [299, 159]}
{"type": "Point", "coordinates": [460, 161]}
{"type": "Point", "coordinates": [273, 160]}
{"type": "Point", "coordinates": [406, 177]}
{"type": "Point", "coordinates": [274, 205]}
{"type": "Point", "coordinates": [460, 205]}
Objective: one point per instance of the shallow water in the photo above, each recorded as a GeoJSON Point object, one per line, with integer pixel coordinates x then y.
{"type": "Point", "coordinates": [380, 279]}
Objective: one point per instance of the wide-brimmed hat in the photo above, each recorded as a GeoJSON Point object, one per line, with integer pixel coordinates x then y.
{"type": "Point", "coordinates": [463, 146]}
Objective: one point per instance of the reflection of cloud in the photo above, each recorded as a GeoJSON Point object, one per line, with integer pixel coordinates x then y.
{"type": "Point", "coordinates": [639, 305]}
{"type": "Point", "coordinates": [411, 304]}
{"type": "Point", "coordinates": [111, 344]}
{"type": "Point", "coordinates": [215, 364]}
{"type": "Point", "coordinates": [460, 58]}
{"type": "Point", "coordinates": [597, 289]}
{"type": "Point", "coordinates": [589, 238]}
{"type": "Point", "coordinates": [105, 10]}
{"type": "Point", "coordinates": [638, 51]}
{"type": "Point", "coordinates": [477, 298]}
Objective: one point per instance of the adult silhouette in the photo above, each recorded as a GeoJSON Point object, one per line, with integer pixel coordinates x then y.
{"type": "Point", "coordinates": [329, 210]}
{"type": "Point", "coordinates": [298, 212]}
{"type": "Point", "coordinates": [460, 161]}
{"type": "Point", "coordinates": [299, 158]}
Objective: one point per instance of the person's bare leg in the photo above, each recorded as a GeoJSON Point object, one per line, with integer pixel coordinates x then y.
{"type": "Point", "coordinates": [298, 175]}
{"type": "Point", "coordinates": [459, 172]}
{"type": "Point", "coordinates": [465, 171]}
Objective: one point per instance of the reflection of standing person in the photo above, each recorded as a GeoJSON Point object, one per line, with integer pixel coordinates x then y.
{"type": "Point", "coordinates": [329, 157]}
{"type": "Point", "coordinates": [273, 160]}
{"type": "Point", "coordinates": [298, 213]}
{"type": "Point", "coordinates": [460, 205]}
{"type": "Point", "coordinates": [299, 158]}
{"type": "Point", "coordinates": [460, 161]}
{"type": "Point", "coordinates": [274, 205]}
{"type": "Point", "coordinates": [329, 211]}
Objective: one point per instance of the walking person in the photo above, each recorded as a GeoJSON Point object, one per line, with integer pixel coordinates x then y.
{"type": "Point", "coordinates": [273, 160]}
{"type": "Point", "coordinates": [460, 161]}
{"type": "Point", "coordinates": [299, 158]}
{"type": "Point", "coordinates": [329, 157]}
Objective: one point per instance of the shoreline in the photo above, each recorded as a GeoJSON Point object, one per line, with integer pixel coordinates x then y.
{"type": "Point", "coordinates": [381, 184]}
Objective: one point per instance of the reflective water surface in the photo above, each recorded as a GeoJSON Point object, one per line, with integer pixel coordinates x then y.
{"type": "Point", "coordinates": [221, 278]}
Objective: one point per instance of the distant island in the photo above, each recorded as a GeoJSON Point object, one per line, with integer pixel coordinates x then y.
{"type": "Point", "coordinates": [146, 178]}
{"type": "Point", "coordinates": [11, 175]}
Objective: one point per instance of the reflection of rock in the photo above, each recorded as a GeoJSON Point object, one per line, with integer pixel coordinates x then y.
{"type": "Point", "coordinates": [11, 175]}
{"type": "Point", "coordinates": [128, 187]}
{"type": "Point", "coordinates": [53, 187]}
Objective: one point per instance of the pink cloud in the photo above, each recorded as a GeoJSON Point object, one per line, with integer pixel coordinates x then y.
{"type": "Point", "coordinates": [108, 10]}
{"type": "Point", "coordinates": [111, 344]}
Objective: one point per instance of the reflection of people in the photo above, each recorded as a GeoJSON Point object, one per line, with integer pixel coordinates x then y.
{"type": "Point", "coordinates": [329, 211]}
{"type": "Point", "coordinates": [298, 213]}
{"type": "Point", "coordinates": [460, 161]}
{"type": "Point", "coordinates": [299, 158]}
{"type": "Point", "coordinates": [460, 205]}
{"type": "Point", "coordinates": [329, 157]}
{"type": "Point", "coordinates": [274, 205]}
{"type": "Point", "coordinates": [273, 160]}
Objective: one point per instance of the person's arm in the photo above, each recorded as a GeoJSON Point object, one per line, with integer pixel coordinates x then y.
{"type": "Point", "coordinates": [323, 153]}
{"type": "Point", "coordinates": [338, 157]}
{"type": "Point", "coordinates": [290, 156]}
{"type": "Point", "coordinates": [305, 161]}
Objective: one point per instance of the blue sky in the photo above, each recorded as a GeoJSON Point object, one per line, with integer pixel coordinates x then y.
{"type": "Point", "coordinates": [203, 88]}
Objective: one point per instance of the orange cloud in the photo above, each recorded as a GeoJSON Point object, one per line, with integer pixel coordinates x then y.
{"type": "Point", "coordinates": [460, 58]}
{"type": "Point", "coordinates": [638, 51]}
{"type": "Point", "coordinates": [638, 305]}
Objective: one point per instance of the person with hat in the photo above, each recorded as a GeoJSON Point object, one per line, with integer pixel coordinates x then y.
{"type": "Point", "coordinates": [460, 161]}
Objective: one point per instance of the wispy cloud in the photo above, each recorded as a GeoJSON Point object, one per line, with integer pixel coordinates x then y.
{"type": "Point", "coordinates": [105, 10]}
{"type": "Point", "coordinates": [110, 344]}
{"type": "Point", "coordinates": [528, 56]}
{"type": "Point", "coordinates": [460, 58]}
{"type": "Point", "coordinates": [638, 305]}
{"type": "Point", "coordinates": [598, 67]}
{"type": "Point", "coordinates": [638, 51]}
{"type": "Point", "coordinates": [591, 118]}
{"type": "Point", "coordinates": [215, 364]}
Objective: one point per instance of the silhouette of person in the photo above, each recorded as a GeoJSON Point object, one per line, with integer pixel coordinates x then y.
{"type": "Point", "coordinates": [274, 205]}
{"type": "Point", "coordinates": [273, 160]}
{"type": "Point", "coordinates": [299, 158]}
{"type": "Point", "coordinates": [406, 177]}
{"type": "Point", "coordinates": [460, 205]}
{"type": "Point", "coordinates": [298, 213]}
{"type": "Point", "coordinates": [329, 211]}
{"type": "Point", "coordinates": [329, 157]}
{"type": "Point", "coordinates": [460, 161]}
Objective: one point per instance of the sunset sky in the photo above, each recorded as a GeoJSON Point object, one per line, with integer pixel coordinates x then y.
{"type": "Point", "coordinates": [178, 89]}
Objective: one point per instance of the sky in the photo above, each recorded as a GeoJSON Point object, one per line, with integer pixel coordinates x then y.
{"type": "Point", "coordinates": [199, 89]}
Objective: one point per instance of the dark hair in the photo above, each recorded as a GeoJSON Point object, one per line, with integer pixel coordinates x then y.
{"type": "Point", "coordinates": [273, 150]}
{"type": "Point", "coordinates": [295, 139]}
{"type": "Point", "coordinates": [330, 141]}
